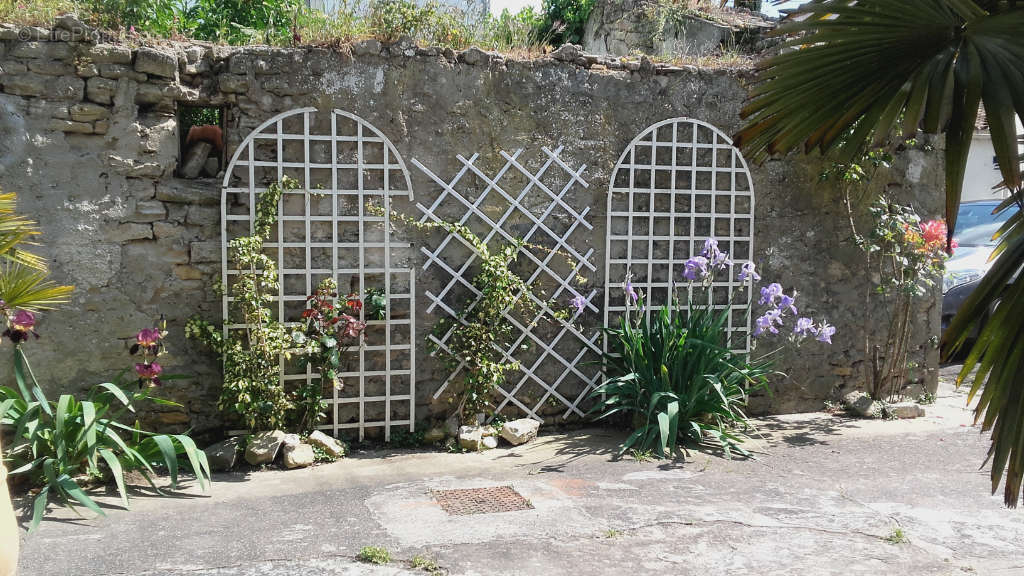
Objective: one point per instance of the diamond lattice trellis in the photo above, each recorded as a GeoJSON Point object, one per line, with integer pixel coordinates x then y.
{"type": "Point", "coordinates": [678, 183]}
{"type": "Point", "coordinates": [342, 163]}
{"type": "Point", "coordinates": [556, 360]}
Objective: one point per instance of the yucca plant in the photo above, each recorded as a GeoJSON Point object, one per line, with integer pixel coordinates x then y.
{"type": "Point", "coordinates": [57, 443]}
{"type": "Point", "coordinates": [852, 75]}
{"type": "Point", "coordinates": [674, 369]}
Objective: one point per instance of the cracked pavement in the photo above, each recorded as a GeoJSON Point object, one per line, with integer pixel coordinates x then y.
{"type": "Point", "coordinates": [825, 495]}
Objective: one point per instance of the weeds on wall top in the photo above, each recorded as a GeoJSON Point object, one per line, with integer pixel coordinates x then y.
{"type": "Point", "coordinates": [291, 22]}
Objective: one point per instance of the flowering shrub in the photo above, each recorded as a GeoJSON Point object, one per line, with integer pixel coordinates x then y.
{"type": "Point", "coordinates": [672, 368]}
{"type": "Point", "coordinates": [56, 443]}
{"type": "Point", "coordinates": [251, 357]}
{"type": "Point", "coordinates": [910, 258]}
{"type": "Point", "coordinates": [330, 330]}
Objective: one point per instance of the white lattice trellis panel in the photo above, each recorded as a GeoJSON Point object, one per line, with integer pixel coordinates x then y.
{"type": "Point", "coordinates": [536, 206]}
{"type": "Point", "coordinates": [678, 183]}
{"type": "Point", "coordinates": [342, 164]}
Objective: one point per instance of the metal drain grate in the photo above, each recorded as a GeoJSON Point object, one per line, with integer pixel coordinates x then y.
{"type": "Point", "coordinates": [481, 500]}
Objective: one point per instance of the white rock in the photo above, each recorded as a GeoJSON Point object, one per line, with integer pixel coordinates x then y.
{"type": "Point", "coordinates": [470, 437]}
{"type": "Point", "coordinates": [905, 410]}
{"type": "Point", "coordinates": [489, 442]}
{"type": "Point", "coordinates": [327, 444]}
{"type": "Point", "coordinates": [263, 447]}
{"type": "Point", "coordinates": [520, 431]}
{"type": "Point", "coordinates": [298, 455]}
{"type": "Point", "coordinates": [860, 404]}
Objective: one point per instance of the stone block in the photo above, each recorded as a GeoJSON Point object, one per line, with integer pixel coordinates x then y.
{"type": "Point", "coordinates": [69, 28]}
{"type": "Point", "coordinates": [184, 192]}
{"type": "Point", "coordinates": [118, 71]}
{"type": "Point", "coordinates": [12, 67]}
{"type": "Point", "coordinates": [66, 88]}
{"type": "Point", "coordinates": [203, 215]}
{"type": "Point", "coordinates": [233, 83]}
{"type": "Point", "coordinates": [860, 404]}
{"type": "Point", "coordinates": [905, 410]}
{"type": "Point", "coordinates": [100, 90]}
{"type": "Point", "coordinates": [434, 435]}
{"type": "Point", "coordinates": [51, 67]}
{"type": "Point", "coordinates": [471, 438]}
{"type": "Point", "coordinates": [263, 447]}
{"type": "Point", "coordinates": [69, 126]}
{"type": "Point", "coordinates": [298, 456]}
{"type": "Point", "coordinates": [101, 126]}
{"type": "Point", "coordinates": [212, 167]}
{"type": "Point", "coordinates": [132, 169]}
{"type": "Point", "coordinates": [109, 53]}
{"type": "Point", "coordinates": [194, 160]}
{"type": "Point", "coordinates": [520, 431]}
{"type": "Point", "coordinates": [368, 47]}
{"type": "Point", "coordinates": [24, 84]}
{"type": "Point", "coordinates": [201, 252]}
{"type": "Point", "coordinates": [149, 94]}
{"type": "Point", "coordinates": [186, 272]}
{"type": "Point", "coordinates": [474, 56]}
{"type": "Point", "coordinates": [326, 443]}
{"type": "Point", "coordinates": [149, 211]}
{"type": "Point", "coordinates": [44, 50]}
{"type": "Point", "coordinates": [222, 456]}
{"type": "Point", "coordinates": [129, 231]}
{"type": "Point", "coordinates": [156, 62]}
{"type": "Point", "coordinates": [88, 112]}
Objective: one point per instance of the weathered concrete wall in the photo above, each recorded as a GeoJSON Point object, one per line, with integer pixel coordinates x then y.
{"type": "Point", "coordinates": [90, 143]}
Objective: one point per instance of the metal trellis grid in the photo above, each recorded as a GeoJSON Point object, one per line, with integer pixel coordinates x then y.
{"type": "Point", "coordinates": [342, 163]}
{"type": "Point", "coordinates": [534, 206]}
{"type": "Point", "coordinates": [678, 183]}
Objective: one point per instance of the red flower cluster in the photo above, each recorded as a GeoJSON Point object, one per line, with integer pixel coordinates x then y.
{"type": "Point", "coordinates": [933, 233]}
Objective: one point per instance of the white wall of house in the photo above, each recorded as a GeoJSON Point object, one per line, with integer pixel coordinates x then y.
{"type": "Point", "coordinates": [982, 172]}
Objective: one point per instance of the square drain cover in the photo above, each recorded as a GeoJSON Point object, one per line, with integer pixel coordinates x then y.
{"type": "Point", "coordinates": [481, 500]}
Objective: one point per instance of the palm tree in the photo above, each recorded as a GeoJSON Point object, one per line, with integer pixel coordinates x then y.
{"type": "Point", "coordinates": [23, 274]}
{"type": "Point", "coordinates": [857, 74]}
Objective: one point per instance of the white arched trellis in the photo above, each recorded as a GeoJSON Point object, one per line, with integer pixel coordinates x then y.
{"type": "Point", "coordinates": [678, 183]}
{"type": "Point", "coordinates": [324, 230]}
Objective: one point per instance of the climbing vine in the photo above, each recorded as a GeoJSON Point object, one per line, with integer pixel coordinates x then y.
{"type": "Point", "coordinates": [481, 333]}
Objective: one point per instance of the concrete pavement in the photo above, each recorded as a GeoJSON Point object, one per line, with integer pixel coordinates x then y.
{"type": "Point", "coordinates": [826, 495]}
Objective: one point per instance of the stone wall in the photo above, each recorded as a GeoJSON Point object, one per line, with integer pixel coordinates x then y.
{"type": "Point", "coordinates": [89, 139]}
{"type": "Point", "coordinates": [665, 30]}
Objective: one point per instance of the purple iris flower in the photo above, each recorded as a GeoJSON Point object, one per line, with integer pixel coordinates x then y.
{"type": "Point", "coordinates": [768, 321]}
{"type": "Point", "coordinates": [631, 293]}
{"type": "Point", "coordinates": [825, 332]}
{"type": "Point", "coordinates": [747, 270]}
{"type": "Point", "coordinates": [579, 303]}
{"type": "Point", "coordinates": [804, 327]}
{"type": "Point", "coordinates": [787, 302]}
{"type": "Point", "coordinates": [696, 268]}
{"type": "Point", "coordinates": [711, 250]}
{"type": "Point", "coordinates": [769, 293]}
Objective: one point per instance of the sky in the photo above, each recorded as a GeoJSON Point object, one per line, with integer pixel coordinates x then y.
{"type": "Point", "coordinates": [515, 5]}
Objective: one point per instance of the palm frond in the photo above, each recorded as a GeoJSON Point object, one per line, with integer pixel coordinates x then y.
{"type": "Point", "coordinates": [852, 72]}
{"type": "Point", "coordinates": [29, 288]}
